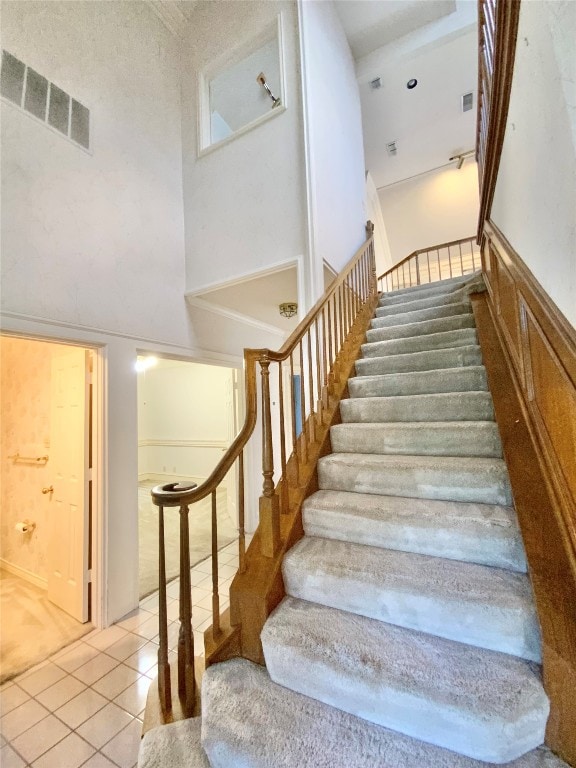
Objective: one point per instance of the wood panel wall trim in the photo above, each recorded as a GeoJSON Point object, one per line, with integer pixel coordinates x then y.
{"type": "Point", "coordinates": [529, 351]}
{"type": "Point", "coordinates": [494, 95]}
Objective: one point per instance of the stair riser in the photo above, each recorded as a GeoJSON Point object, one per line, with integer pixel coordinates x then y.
{"type": "Point", "coordinates": [471, 379]}
{"type": "Point", "coordinates": [407, 330]}
{"type": "Point", "coordinates": [420, 361]}
{"type": "Point", "coordinates": [468, 484]}
{"type": "Point", "coordinates": [449, 339]}
{"type": "Point", "coordinates": [420, 440]}
{"type": "Point", "coordinates": [429, 289]}
{"type": "Point", "coordinates": [421, 316]}
{"type": "Point", "coordinates": [362, 688]}
{"type": "Point", "coordinates": [446, 406]}
{"type": "Point", "coordinates": [391, 299]}
{"type": "Point", "coordinates": [415, 305]}
{"type": "Point", "coordinates": [498, 546]}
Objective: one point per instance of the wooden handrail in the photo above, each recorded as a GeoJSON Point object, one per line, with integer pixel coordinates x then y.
{"type": "Point", "coordinates": [315, 353]}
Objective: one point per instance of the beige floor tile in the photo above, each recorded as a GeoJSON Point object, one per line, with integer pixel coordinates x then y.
{"type": "Point", "coordinates": [66, 650]}
{"type": "Point", "coordinates": [226, 571]}
{"type": "Point", "coordinates": [11, 698]}
{"type": "Point", "coordinates": [9, 758]}
{"type": "Point", "coordinates": [106, 637]}
{"type": "Point", "coordinates": [205, 603]}
{"type": "Point", "coordinates": [116, 681]}
{"type": "Point", "coordinates": [134, 619]}
{"type": "Point", "coordinates": [144, 658]}
{"type": "Point", "coordinates": [199, 594]}
{"type": "Point", "coordinates": [61, 692]}
{"type": "Point", "coordinates": [205, 566]}
{"type": "Point", "coordinates": [22, 718]}
{"type": "Point", "coordinates": [40, 738]}
{"type": "Point", "coordinates": [206, 584]}
{"type": "Point", "coordinates": [81, 707]}
{"type": "Point", "coordinates": [125, 647]}
{"type": "Point", "coordinates": [173, 589]}
{"type": "Point", "coordinates": [75, 658]}
{"type": "Point", "coordinates": [99, 761]}
{"type": "Point", "coordinates": [173, 610]}
{"type": "Point", "coordinates": [104, 725]}
{"type": "Point", "coordinates": [95, 669]}
{"type": "Point", "coordinates": [6, 685]}
{"type": "Point", "coordinates": [123, 748]}
{"type": "Point", "coordinates": [133, 699]}
{"type": "Point", "coordinates": [196, 577]}
{"type": "Point", "coordinates": [200, 616]}
{"type": "Point", "coordinates": [150, 603]}
{"type": "Point", "coordinates": [41, 679]}
{"type": "Point", "coordinates": [71, 752]}
{"type": "Point", "coordinates": [148, 629]}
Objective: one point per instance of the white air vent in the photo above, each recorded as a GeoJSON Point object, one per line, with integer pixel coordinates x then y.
{"type": "Point", "coordinates": [32, 92]}
{"type": "Point", "coordinates": [376, 83]}
{"type": "Point", "coordinates": [467, 101]}
{"type": "Point", "coordinates": [391, 148]}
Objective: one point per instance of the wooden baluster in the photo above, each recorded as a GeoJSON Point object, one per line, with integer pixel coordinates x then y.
{"type": "Point", "coordinates": [269, 502]}
{"type": "Point", "coordinates": [439, 267]}
{"type": "Point", "coordinates": [450, 261]}
{"type": "Point", "coordinates": [284, 481]}
{"type": "Point", "coordinates": [472, 252]}
{"type": "Point", "coordinates": [186, 683]}
{"type": "Point", "coordinates": [417, 269]}
{"type": "Point", "coordinates": [356, 288]}
{"type": "Point", "coordinates": [215, 595]}
{"type": "Point", "coordinates": [241, 522]}
{"type": "Point", "coordinates": [330, 358]}
{"type": "Point", "coordinates": [319, 374]}
{"type": "Point", "coordinates": [303, 436]}
{"type": "Point", "coordinates": [295, 448]}
{"type": "Point", "coordinates": [312, 421]}
{"type": "Point", "coordinates": [403, 276]}
{"type": "Point", "coordinates": [428, 262]}
{"type": "Point", "coordinates": [164, 686]}
{"type": "Point", "coordinates": [461, 262]}
{"type": "Point", "coordinates": [324, 393]}
{"type": "Point", "coordinates": [340, 318]}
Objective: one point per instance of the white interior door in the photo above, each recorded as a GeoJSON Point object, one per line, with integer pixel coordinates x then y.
{"type": "Point", "coordinates": [69, 528]}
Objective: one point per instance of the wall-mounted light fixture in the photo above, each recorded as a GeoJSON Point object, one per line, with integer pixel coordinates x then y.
{"type": "Point", "coordinates": [262, 80]}
{"type": "Point", "coordinates": [288, 308]}
{"type": "Point", "coordinates": [143, 363]}
{"type": "Point", "coordinates": [461, 157]}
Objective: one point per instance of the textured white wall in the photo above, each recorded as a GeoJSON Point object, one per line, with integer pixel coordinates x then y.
{"type": "Point", "coordinates": [334, 137]}
{"type": "Point", "coordinates": [535, 198]}
{"type": "Point", "coordinates": [96, 239]}
{"type": "Point", "coordinates": [431, 209]}
{"type": "Point", "coordinates": [243, 200]}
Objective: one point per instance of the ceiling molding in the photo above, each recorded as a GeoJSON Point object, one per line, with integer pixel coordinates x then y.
{"type": "Point", "coordinates": [231, 314]}
{"type": "Point", "coordinates": [170, 14]}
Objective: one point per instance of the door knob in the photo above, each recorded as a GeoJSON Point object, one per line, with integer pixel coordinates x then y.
{"type": "Point", "coordinates": [48, 490]}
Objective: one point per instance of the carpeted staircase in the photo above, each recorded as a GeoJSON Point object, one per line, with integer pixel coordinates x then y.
{"type": "Point", "coordinates": [408, 637]}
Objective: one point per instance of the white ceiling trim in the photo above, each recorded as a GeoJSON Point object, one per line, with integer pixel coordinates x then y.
{"type": "Point", "coordinates": [170, 15]}
{"type": "Point", "coordinates": [231, 314]}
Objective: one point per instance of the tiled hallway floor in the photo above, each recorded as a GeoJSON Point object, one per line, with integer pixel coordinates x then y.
{"type": "Point", "coordinates": [84, 706]}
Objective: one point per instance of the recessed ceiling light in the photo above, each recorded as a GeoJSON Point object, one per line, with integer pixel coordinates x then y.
{"type": "Point", "coordinates": [412, 83]}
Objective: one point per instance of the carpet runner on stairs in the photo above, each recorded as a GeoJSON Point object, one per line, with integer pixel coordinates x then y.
{"type": "Point", "coordinates": [408, 637]}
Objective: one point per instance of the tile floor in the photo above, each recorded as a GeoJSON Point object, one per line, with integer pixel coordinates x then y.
{"type": "Point", "coordinates": [84, 706]}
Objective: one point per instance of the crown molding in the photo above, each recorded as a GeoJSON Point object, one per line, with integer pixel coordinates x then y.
{"type": "Point", "coordinates": [170, 14]}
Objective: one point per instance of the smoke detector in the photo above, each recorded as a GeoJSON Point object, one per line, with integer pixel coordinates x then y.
{"type": "Point", "coordinates": [391, 148]}
{"type": "Point", "coordinates": [376, 83]}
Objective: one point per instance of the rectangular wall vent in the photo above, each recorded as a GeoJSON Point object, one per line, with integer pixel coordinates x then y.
{"type": "Point", "coordinates": [391, 148]}
{"type": "Point", "coordinates": [467, 102]}
{"type": "Point", "coordinates": [33, 93]}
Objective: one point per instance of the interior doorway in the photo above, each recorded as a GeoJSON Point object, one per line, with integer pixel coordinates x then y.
{"type": "Point", "coordinates": [188, 415]}
{"type": "Point", "coordinates": [46, 504]}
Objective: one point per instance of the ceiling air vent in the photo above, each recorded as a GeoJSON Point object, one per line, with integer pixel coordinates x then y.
{"type": "Point", "coordinates": [376, 83]}
{"type": "Point", "coordinates": [467, 101]}
{"type": "Point", "coordinates": [391, 148]}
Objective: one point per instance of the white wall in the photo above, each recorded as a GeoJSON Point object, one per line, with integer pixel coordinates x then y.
{"type": "Point", "coordinates": [382, 253]}
{"type": "Point", "coordinates": [333, 133]}
{"type": "Point", "coordinates": [535, 199]}
{"type": "Point", "coordinates": [85, 235]}
{"type": "Point", "coordinates": [243, 199]}
{"type": "Point", "coordinates": [431, 209]}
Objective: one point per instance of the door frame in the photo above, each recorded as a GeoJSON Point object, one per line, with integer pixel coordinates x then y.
{"type": "Point", "coordinates": [97, 495]}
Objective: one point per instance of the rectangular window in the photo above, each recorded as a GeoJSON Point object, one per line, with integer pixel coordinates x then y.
{"type": "Point", "coordinates": [36, 94]}
{"type": "Point", "coordinates": [12, 80]}
{"type": "Point", "coordinates": [80, 125]}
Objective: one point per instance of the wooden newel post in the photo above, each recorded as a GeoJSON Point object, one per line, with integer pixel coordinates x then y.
{"type": "Point", "coordinates": [269, 501]}
{"type": "Point", "coordinates": [369, 229]}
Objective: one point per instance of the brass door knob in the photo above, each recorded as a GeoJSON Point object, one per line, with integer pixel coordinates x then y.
{"type": "Point", "coordinates": [48, 490]}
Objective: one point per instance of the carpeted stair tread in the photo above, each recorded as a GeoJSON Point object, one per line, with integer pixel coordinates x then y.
{"type": "Point", "coordinates": [452, 323]}
{"type": "Point", "coordinates": [444, 340]}
{"type": "Point", "coordinates": [438, 286]}
{"type": "Point", "coordinates": [459, 307]}
{"type": "Point", "coordinates": [436, 406]}
{"type": "Point", "coordinates": [488, 607]}
{"type": "Point", "coordinates": [481, 480]}
{"type": "Point", "coordinates": [471, 378]}
{"type": "Point", "coordinates": [418, 438]}
{"type": "Point", "coordinates": [414, 304]}
{"type": "Point", "coordinates": [251, 722]}
{"type": "Point", "coordinates": [486, 534]}
{"type": "Point", "coordinates": [176, 745]}
{"type": "Point", "coordinates": [434, 359]}
{"type": "Point", "coordinates": [489, 706]}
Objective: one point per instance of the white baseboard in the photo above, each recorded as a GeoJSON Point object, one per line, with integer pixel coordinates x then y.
{"type": "Point", "coordinates": [38, 581]}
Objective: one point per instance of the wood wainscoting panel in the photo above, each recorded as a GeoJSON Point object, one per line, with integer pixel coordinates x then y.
{"type": "Point", "coordinates": [529, 350]}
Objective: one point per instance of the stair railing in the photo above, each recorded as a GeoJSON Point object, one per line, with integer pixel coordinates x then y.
{"type": "Point", "coordinates": [301, 375]}
{"type": "Point", "coordinates": [427, 265]}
